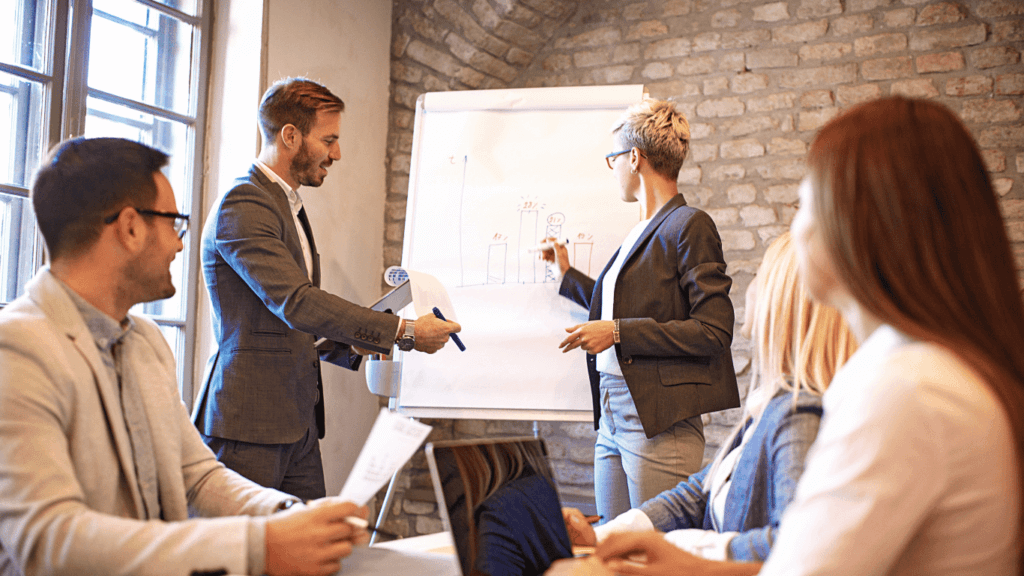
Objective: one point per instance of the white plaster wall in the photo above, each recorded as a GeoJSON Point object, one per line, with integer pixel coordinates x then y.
{"type": "Point", "coordinates": [345, 45]}
{"type": "Point", "coordinates": [232, 139]}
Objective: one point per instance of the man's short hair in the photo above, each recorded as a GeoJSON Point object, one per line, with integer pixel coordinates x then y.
{"type": "Point", "coordinates": [84, 180]}
{"type": "Point", "coordinates": [294, 101]}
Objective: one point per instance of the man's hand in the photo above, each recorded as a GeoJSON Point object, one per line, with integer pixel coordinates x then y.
{"type": "Point", "coordinates": [593, 337]}
{"type": "Point", "coordinates": [581, 533]}
{"type": "Point", "coordinates": [312, 540]}
{"type": "Point", "coordinates": [559, 254]}
{"type": "Point", "coordinates": [432, 333]}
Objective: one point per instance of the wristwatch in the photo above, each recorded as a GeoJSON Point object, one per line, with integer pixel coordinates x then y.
{"type": "Point", "coordinates": [407, 341]}
{"type": "Point", "coordinates": [286, 504]}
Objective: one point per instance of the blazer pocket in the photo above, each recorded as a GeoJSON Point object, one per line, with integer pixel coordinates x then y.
{"type": "Point", "coordinates": [685, 371]}
{"type": "Point", "coordinates": [267, 332]}
{"type": "Point", "coordinates": [250, 350]}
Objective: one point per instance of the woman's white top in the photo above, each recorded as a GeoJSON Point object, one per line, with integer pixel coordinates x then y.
{"type": "Point", "coordinates": [913, 472]}
{"type": "Point", "coordinates": [607, 361]}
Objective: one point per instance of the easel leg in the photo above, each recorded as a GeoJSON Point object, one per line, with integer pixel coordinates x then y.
{"type": "Point", "coordinates": [386, 505]}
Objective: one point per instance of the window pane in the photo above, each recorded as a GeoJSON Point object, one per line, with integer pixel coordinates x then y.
{"type": "Point", "coordinates": [18, 257]}
{"type": "Point", "coordinates": [139, 53]}
{"type": "Point", "coordinates": [21, 128]}
{"type": "Point", "coordinates": [174, 138]}
{"type": "Point", "coordinates": [187, 6]}
{"type": "Point", "coordinates": [23, 32]}
{"type": "Point", "coordinates": [175, 337]}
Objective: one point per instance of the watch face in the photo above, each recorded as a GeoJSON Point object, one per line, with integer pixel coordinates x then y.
{"type": "Point", "coordinates": [406, 344]}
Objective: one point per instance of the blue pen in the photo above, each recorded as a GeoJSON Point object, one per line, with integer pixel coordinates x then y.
{"type": "Point", "coordinates": [455, 337]}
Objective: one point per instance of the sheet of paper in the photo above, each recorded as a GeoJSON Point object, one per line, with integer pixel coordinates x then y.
{"type": "Point", "coordinates": [392, 441]}
{"type": "Point", "coordinates": [427, 291]}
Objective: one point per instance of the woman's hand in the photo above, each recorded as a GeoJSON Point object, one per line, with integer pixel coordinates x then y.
{"type": "Point", "coordinates": [590, 566]}
{"type": "Point", "coordinates": [581, 533]}
{"type": "Point", "coordinates": [649, 554]}
{"type": "Point", "coordinates": [558, 255]}
{"type": "Point", "coordinates": [593, 337]}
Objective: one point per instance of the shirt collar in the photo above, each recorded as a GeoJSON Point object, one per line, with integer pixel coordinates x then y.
{"type": "Point", "coordinates": [105, 330]}
{"type": "Point", "coordinates": [294, 201]}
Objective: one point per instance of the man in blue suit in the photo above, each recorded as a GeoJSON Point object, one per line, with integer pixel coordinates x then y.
{"type": "Point", "coordinates": [261, 407]}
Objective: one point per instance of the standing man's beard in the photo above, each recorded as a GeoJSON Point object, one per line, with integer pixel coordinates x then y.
{"type": "Point", "coordinates": [305, 169]}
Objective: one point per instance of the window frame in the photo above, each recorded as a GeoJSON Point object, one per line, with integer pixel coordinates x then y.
{"type": "Point", "coordinates": [65, 96]}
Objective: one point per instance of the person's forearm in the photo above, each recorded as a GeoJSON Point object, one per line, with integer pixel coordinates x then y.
{"type": "Point", "coordinates": [732, 568]}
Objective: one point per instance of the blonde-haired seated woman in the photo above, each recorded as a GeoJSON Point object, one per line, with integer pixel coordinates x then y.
{"type": "Point", "coordinates": [731, 508]}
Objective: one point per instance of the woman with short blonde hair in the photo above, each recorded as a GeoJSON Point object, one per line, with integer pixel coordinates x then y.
{"type": "Point", "coordinates": [661, 320]}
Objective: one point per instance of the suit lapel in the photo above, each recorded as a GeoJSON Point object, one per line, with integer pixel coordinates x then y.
{"type": "Point", "coordinates": [676, 202]}
{"type": "Point", "coordinates": [52, 298]}
{"type": "Point", "coordinates": [291, 233]}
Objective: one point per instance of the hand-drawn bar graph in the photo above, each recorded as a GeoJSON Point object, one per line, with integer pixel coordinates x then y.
{"type": "Point", "coordinates": [528, 238]}
{"type": "Point", "coordinates": [497, 257]}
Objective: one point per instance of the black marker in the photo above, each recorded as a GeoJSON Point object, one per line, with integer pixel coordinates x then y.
{"type": "Point", "coordinates": [455, 337]}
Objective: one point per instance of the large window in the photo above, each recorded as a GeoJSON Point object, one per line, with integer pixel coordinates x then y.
{"type": "Point", "coordinates": [128, 68]}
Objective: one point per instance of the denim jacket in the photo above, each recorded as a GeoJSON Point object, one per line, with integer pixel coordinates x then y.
{"type": "Point", "coordinates": [763, 482]}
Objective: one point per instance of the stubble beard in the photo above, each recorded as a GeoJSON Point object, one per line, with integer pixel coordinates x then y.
{"type": "Point", "coordinates": [305, 169]}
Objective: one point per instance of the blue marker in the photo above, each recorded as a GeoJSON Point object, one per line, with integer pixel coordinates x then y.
{"type": "Point", "coordinates": [455, 337]}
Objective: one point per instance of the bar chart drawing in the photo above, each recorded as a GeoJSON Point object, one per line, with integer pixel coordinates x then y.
{"type": "Point", "coordinates": [527, 261]}
{"type": "Point", "coordinates": [581, 255]}
{"type": "Point", "coordinates": [553, 230]}
{"type": "Point", "coordinates": [497, 257]}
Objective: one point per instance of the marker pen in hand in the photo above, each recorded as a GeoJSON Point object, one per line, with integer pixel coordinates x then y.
{"type": "Point", "coordinates": [455, 337]}
{"type": "Point", "coordinates": [360, 523]}
{"type": "Point", "coordinates": [547, 246]}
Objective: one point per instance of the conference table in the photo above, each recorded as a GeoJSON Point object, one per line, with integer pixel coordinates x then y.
{"type": "Point", "coordinates": [429, 555]}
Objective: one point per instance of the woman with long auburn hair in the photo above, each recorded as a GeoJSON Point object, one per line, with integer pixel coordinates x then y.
{"type": "Point", "coordinates": [917, 468]}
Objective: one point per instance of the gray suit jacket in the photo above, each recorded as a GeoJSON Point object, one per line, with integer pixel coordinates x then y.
{"type": "Point", "coordinates": [676, 319]}
{"type": "Point", "coordinates": [69, 497]}
{"type": "Point", "coordinates": [262, 381]}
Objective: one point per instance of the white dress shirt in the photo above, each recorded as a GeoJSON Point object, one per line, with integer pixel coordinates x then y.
{"type": "Point", "coordinates": [607, 361]}
{"type": "Point", "coordinates": [913, 472]}
{"type": "Point", "coordinates": [295, 203]}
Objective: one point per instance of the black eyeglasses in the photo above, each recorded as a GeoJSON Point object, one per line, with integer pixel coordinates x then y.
{"type": "Point", "coordinates": [180, 220]}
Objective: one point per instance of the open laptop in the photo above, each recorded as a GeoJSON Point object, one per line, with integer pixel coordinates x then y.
{"type": "Point", "coordinates": [498, 499]}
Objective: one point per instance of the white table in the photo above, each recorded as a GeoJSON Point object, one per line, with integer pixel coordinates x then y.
{"type": "Point", "coordinates": [430, 555]}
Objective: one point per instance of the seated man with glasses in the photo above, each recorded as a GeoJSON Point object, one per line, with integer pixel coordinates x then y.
{"type": "Point", "coordinates": [100, 465]}
{"type": "Point", "coordinates": [180, 220]}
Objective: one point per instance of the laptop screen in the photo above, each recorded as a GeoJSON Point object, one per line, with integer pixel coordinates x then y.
{"type": "Point", "coordinates": [498, 499]}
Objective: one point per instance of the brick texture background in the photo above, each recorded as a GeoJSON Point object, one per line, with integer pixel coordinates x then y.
{"type": "Point", "coordinates": [756, 80]}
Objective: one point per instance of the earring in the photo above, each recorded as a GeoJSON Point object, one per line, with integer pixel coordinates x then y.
{"type": "Point", "coordinates": [632, 170]}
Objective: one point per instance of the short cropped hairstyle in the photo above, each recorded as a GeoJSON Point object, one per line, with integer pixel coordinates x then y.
{"type": "Point", "coordinates": [84, 180]}
{"type": "Point", "coordinates": [660, 131]}
{"type": "Point", "coordinates": [294, 101]}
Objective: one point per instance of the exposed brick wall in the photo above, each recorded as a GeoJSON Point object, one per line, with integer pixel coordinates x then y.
{"type": "Point", "coordinates": [756, 80]}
